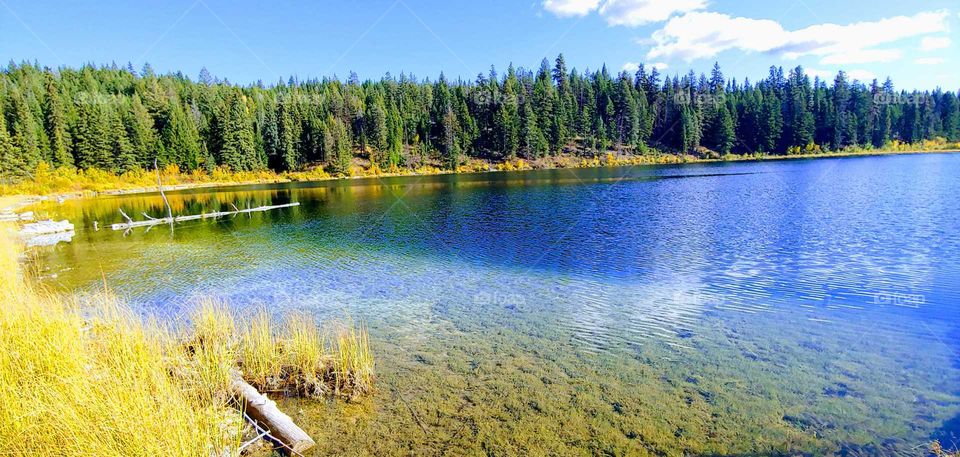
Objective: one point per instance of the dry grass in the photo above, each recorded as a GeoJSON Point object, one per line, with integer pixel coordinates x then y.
{"type": "Point", "coordinates": [259, 352]}
{"type": "Point", "coordinates": [302, 359]}
{"type": "Point", "coordinates": [92, 378]}
{"type": "Point", "coordinates": [305, 352]}
{"type": "Point", "coordinates": [93, 383]}
{"type": "Point", "coordinates": [352, 361]}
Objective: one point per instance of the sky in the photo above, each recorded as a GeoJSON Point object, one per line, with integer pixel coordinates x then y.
{"type": "Point", "coordinates": [914, 42]}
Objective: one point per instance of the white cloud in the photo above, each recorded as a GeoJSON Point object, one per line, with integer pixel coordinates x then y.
{"type": "Point", "coordinates": [861, 56]}
{"type": "Point", "coordinates": [825, 75]}
{"type": "Point", "coordinates": [639, 12]}
{"type": "Point", "coordinates": [632, 67]}
{"type": "Point", "coordinates": [861, 75]}
{"type": "Point", "coordinates": [624, 12]}
{"type": "Point", "coordinates": [566, 8]}
{"type": "Point", "coordinates": [699, 35]}
{"type": "Point", "coordinates": [932, 43]}
{"type": "Point", "coordinates": [929, 61]}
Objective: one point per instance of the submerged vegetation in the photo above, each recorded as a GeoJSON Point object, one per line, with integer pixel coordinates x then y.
{"type": "Point", "coordinates": [111, 123]}
{"type": "Point", "coordinates": [86, 376]}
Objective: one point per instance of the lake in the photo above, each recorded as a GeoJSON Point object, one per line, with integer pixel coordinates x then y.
{"type": "Point", "coordinates": [750, 308]}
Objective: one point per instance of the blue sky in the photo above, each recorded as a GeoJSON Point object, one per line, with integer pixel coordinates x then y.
{"type": "Point", "coordinates": [915, 43]}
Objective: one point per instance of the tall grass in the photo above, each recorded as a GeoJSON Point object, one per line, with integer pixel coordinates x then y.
{"type": "Point", "coordinates": [260, 354]}
{"type": "Point", "coordinates": [92, 378]}
{"type": "Point", "coordinates": [305, 352]}
{"type": "Point", "coordinates": [352, 361]}
{"type": "Point", "coordinates": [210, 352]}
{"type": "Point", "coordinates": [94, 382]}
{"type": "Point", "coordinates": [299, 357]}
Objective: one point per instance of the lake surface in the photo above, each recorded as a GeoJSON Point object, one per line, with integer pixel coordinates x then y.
{"type": "Point", "coordinates": [751, 308]}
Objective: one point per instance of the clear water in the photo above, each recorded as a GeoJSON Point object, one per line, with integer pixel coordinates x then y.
{"type": "Point", "coordinates": [805, 306]}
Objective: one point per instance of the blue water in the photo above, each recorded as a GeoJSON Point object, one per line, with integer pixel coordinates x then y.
{"type": "Point", "coordinates": [814, 299]}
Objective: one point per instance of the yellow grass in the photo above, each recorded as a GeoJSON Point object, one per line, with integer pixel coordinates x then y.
{"type": "Point", "coordinates": [305, 349]}
{"type": "Point", "coordinates": [95, 382]}
{"type": "Point", "coordinates": [90, 378]}
{"type": "Point", "coordinates": [46, 180]}
{"type": "Point", "coordinates": [352, 361]}
{"type": "Point", "coordinates": [211, 352]}
{"type": "Point", "coordinates": [298, 358]}
{"type": "Point", "coordinates": [259, 353]}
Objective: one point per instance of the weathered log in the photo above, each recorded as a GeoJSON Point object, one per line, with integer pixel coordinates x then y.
{"type": "Point", "coordinates": [263, 410]}
{"type": "Point", "coordinates": [47, 226]}
{"type": "Point", "coordinates": [167, 220]}
{"type": "Point", "coordinates": [11, 216]}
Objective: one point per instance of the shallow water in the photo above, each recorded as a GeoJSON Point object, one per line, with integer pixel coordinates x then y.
{"type": "Point", "coordinates": [805, 306]}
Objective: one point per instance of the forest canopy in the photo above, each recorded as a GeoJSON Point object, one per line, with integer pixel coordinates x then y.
{"type": "Point", "coordinates": [118, 119]}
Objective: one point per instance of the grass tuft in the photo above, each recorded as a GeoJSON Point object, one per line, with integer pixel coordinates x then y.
{"type": "Point", "coordinates": [82, 377]}
{"type": "Point", "coordinates": [304, 349]}
{"type": "Point", "coordinates": [95, 382]}
{"type": "Point", "coordinates": [352, 361]}
{"type": "Point", "coordinates": [259, 353]}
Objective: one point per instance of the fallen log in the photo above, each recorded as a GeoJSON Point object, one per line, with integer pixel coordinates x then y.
{"type": "Point", "coordinates": [49, 239]}
{"type": "Point", "coordinates": [45, 227]}
{"type": "Point", "coordinates": [169, 220]}
{"type": "Point", "coordinates": [263, 410]}
{"type": "Point", "coordinates": [13, 217]}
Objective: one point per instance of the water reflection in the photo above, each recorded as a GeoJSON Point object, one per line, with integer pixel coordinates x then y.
{"type": "Point", "coordinates": [801, 301]}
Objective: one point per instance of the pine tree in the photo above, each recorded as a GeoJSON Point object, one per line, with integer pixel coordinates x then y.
{"type": "Point", "coordinates": [507, 120]}
{"type": "Point", "coordinates": [7, 165]}
{"type": "Point", "coordinates": [544, 101]}
{"type": "Point", "coordinates": [716, 79]}
{"type": "Point", "coordinates": [841, 117]}
{"type": "Point", "coordinates": [92, 136]}
{"type": "Point", "coordinates": [337, 145]}
{"type": "Point", "coordinates": [269, 133]}
{"type": "Point", "coordinates": [375, 120]}
{"type": "Point", "coordinates": [121, 150]}
{"type": "Point", "coordinates": [394, 138]}
{"type": "Point", "coordinates": [25, 151]}
{"type": "Point", "coordinates": [56, 125]}
{"type": "Point", "coordinates": [181, 140]}
{"type": "Point", "coordinates": [771, 126]}
{"type": "Point", "coordinates": [533, 143]}
{"type": "Point", "coordinates": [239, 152]}
{"type": "Point", "coordinates": [799, 121]}
{"type": "Point", "coordinates": [627, 117]}
{"type": "Point", "coordinates": [205, 78]}
{"type": "Point", "coordinates": [532, 113]}
{"type": "Point", "coordinates": [287, 134]}
{"type": "Point", "coordinates": [449, 146]}
{"type": "Point", "coordinates": [725, 130]}
{"type": "Point", "coordinates": [143, 139]}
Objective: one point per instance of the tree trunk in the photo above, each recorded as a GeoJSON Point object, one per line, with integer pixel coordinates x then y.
{"type": "Point", "coordinates": [265, 412]}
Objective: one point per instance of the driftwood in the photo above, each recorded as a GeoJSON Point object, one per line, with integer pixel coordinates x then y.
{"type": "Point", "coordinates": [49, 239]}
{"type": "Point", "coordinates": [13, 217]}
{"type": "Point", "coordinates": [160, 186]}
{"type": "Point", "coordinates": [265, 412]}
{"type": "Point", "coordinates": [170, 219]}
{"type": "Point", "coordinates": [47, 226]}
{"type": "Point", "coordinates": [46, 233]}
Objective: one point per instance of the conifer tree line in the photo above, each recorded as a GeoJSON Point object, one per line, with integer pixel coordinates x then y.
{"type": "Point", "coordinates": [119, 119]}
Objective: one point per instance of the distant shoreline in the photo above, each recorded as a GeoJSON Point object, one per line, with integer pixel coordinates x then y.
{"type": "Point", "coordinates": [14, 202]}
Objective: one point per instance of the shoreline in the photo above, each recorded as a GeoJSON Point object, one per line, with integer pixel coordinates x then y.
{"type": "Point", "coordinates": [15, 202]}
